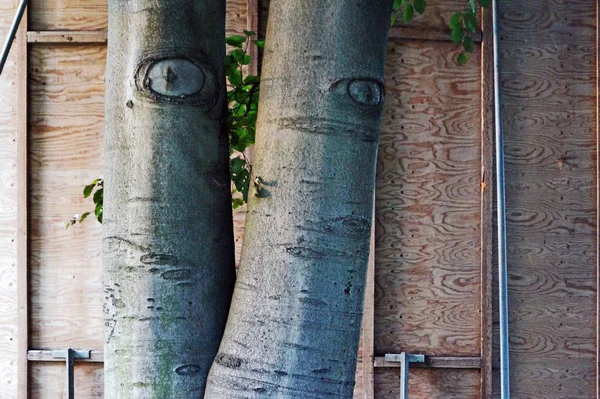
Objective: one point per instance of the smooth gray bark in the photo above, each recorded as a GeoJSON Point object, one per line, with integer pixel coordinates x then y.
{"type": "Point", "coordinates": [167, 234]}
{"type": "Point", "coordinates": [294, 325]}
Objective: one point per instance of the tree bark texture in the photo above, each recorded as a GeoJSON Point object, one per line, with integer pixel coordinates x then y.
{"type": "Point", "coordinates": [294, 326]}
{"type": "Point", "coordinates": [167, 234]}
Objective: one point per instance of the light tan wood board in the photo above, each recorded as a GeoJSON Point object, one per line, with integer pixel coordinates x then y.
{"type": "Point", "coordinates": [9, 172]}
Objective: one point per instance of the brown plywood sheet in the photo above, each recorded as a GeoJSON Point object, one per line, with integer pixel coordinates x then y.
{"type": "Point", "coordinates": [66, 100]}
{"type": "Point", "coordinates": [429, 384]}
{"type": "Point", "coordinates": [549, 91]}
{"type": "Point", "coordinates": [427, 281]}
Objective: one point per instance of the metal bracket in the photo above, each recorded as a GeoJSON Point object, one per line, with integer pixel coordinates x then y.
{"type": "Point", "coordinates": [70, 355]}
{"type": "Point", "coordinates": [405, 360]}
{"type": "Point", "coordinates": [11, 33]}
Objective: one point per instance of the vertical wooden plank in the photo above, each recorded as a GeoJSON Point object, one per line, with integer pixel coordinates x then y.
{"type": "Point", "coordinates": [597, 199]}
{"type": "Point", "coordinates": [487, 197]}
{"type": "Point", "coordinates": [369, 321]}
{"type": "Point", "coordinates": [252, 25]}
{"type": "Point", "coordinates": [22, 367]}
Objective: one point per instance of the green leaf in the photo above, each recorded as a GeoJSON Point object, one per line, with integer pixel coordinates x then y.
{"type": "Point", "coordinates": [455, 20]}
{"type": "Point", "coordinates": [82, 218]}
{"type": "Point", "coordinates": [468, 44]}
{"type": "Point", "coordinates": [396, 5]}
{"type": "Point", "coordinates": [87, 190]}
{"type": "Point", "coordinates": [408, 13]}
{"type": "Point", "coordinates": [473, 5]}
{"type": "Point", "coordinates": [237, 164]}
{"type": "Point", "coordinates": [393, 19]}
{"type": "Point", "coordinates": [260, 43]}
{"type": "Point", "coordinates": [99, 196]}
{"type": "Point", "coordinates": [462, 58]}
{"type": "Point", "coordinates": [237, 202]}
{"type": "Point", "coordinates": [457, 34]}
{"type": "Point", "coordinates": [235, 40]}
{"type": "Point", "coordinates": [249, 33]}
{"type": "Point", "coordinates": [420, 6]}
{"type": "Point", "coordinates": [98, 209]}
{"type": "Point", "coordinates": [238, 55]}
{"type": "Point", "coordinates": [235, 78]}
{"type": "Point", "coordinates": [250, 79]}
{"type": "Point", "coordinates": [246, 60]}
{"type": "Point", "coordinates": [470, 21]}
{"type": "Point", "coordinates": [485, 3]}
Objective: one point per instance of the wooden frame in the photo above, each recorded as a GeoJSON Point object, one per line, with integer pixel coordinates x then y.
{"type": "Point", "coordinates": [487, 198]}
{"type": "Point", "coordinates": [22, 252]}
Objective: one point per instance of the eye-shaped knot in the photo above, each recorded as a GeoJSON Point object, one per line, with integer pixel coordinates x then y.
{"type": "Point", "coordinates": [365, 91]}
{"type": "Point", "coordinates": [177, 79]}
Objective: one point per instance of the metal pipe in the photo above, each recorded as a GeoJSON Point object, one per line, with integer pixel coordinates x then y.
{"type": "Point", "coordinates": [12, 33]}
{"type": "Point", "coordinates": [501, 213]}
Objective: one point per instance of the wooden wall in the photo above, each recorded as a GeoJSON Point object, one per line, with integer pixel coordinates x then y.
{"type": "Point", "coordinates": [429, 291]}
{"type": "Point", "coordinates": [549, 84]}
{"type": "Point", "coordinates": [9, 174]}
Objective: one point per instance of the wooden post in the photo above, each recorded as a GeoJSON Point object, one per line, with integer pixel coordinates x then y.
{"type": "Point", "coordinates": [369, 322]}
{"type": "Point", "coordinates": [22, 337]}
{"type": "Point", "coordinates": [487, 197]}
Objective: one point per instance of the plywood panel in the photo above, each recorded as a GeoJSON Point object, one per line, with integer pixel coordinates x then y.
{"type": "Point", "coordinates": [427, 282]}
{"type": "Point", "coordinates": [549, 88]}
{"type": "Point", "coordinates": [428, 384]}
{"type": "Point", "coordinates": [48, 381]}
{"type": "Point", "coordinates": [437, 15]}
{"type": "Point", "coordinates": [8, 215]}
{"type": "Point", "coordinates": [93, 15]}
{"type": "Point", "coordinates": [66, 88]}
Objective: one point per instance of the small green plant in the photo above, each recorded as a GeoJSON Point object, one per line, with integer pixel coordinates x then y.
{"type": "Point", "coordinates": [98, 198]}
{"type": "Point", "coordinates": [462, 24]}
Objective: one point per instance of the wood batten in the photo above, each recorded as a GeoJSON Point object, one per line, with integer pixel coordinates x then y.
{"type": "Point", "coordinates": [438, 35]}
{"type": "Point", "coordinates": [56, 37]}
{"type": "Point", "coordinates": [436, 362]}
{"type": "Point", "coordinates": [22, 214]}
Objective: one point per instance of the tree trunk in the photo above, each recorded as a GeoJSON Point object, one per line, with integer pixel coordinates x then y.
{"type": "Point", "coordinates": [167, 234]}
{"type": "Point", "coordinates": [294, 325]}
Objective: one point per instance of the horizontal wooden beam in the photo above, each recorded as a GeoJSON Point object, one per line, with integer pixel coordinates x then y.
{"type": "Point", "coordinates": [436, 362]}
{"type": "Point", "coordinates": [51, 37]}
{"type": "Point", "coordinates": [46, 356]}
{"type": "Point", "coordinates": [438, 35]}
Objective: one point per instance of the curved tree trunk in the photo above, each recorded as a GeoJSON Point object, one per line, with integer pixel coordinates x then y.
{"type": "Point", "coordinates": [167, 234]}
{"type": "Point", "coordinates": [294, 325]}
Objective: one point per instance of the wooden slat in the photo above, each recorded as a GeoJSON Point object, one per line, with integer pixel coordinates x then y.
{"type": "Point", "coordinates": [598, 199]}
{"type": "Point", "coordinates": [369, 322]}
{"type": "Point", "coordinates": [413, 33]}
{"type": "Point", "coordinates": [252, 25]}
{"type": "Point", "coordinates": [96, 356]}
{"type": "Point", "coordinates": [22, 211]}
{"type": "Point", "coordinates": [430, 384]}
{"type": "Point", "coordinates": [487, 197]}
{"type": "Point", "coordinates": [51, 37]}
{"type": "Point", "coordinates": [436, 362]}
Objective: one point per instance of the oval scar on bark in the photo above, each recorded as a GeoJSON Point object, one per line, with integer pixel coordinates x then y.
{"type": "Point", "coordinates": [366, 91]}
{"type": "Point", "coordinates": [174, 77]}
{"type": "Point", "coordinates": [188, 369]}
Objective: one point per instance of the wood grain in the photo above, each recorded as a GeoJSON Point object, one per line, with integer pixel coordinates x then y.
{"type": "Point", "coordinates": [22, 210]}
{"type": "Point", "coordinates": [488, 182]}
{"type": "Point", "coordinates": [429, 384]}
{"type": "Point", "coordinates": [66, 99]}
{"type": "Point", "coordinates": [437, 15]}
{"type": "Point", "coordinates": [9, 251]}
{"type": "Point", "coordinates": [427, 283]}
{"type": "Point", "coordinates": [54, 37]}
{"type": "Point", "coordinates": [48, 380]}
{"type": "Point", "coordinates": [92, 15]}
{"type": "Point", "coordinates": [549, 90]}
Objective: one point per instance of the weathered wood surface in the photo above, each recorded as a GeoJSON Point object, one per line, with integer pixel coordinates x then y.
{"type": "Point", "coordinates": [9, 334]}
{"type": "Point", "coordinates": [549, 88]}
{"type": "Point", "coordinates": [428, 384]}
{"type": "Point", "coordinates": [427, 281]}
{"type": "Point", "coordinates": [92, 15]}
{"type": "Point", "coordinates": [66, 88]}
{"type": "Point", "coordinates": [48, 380]}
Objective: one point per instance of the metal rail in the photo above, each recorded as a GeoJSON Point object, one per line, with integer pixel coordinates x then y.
{"type": "Point", "coordinates": [501, 215]}
{"type": "Point", "coordinates": [12, 33]}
